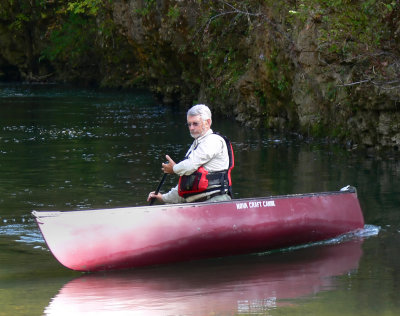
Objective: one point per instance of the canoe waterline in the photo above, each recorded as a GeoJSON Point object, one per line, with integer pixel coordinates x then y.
{"type": "Point", "coordinates": [95, 240]}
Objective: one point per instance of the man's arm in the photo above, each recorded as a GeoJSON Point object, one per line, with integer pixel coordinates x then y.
{"type": "Point", "coordinates": [172, 196]}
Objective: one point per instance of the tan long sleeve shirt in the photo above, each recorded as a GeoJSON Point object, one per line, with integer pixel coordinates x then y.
{"type": "Point", "coordinates": [209, 151]}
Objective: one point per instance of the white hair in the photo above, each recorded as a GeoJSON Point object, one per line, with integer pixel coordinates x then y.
{"type": "Point", "coordinates": [200, 109]}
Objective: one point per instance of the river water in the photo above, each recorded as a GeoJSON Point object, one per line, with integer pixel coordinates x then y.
{"type": "Point", "coordinates": [63, 148]}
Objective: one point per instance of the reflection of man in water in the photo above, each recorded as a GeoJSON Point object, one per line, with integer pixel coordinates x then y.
{"type": "Point", "coordinates": [204, 172]}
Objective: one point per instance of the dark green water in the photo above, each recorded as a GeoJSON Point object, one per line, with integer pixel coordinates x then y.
{"type": "Point", "coordinates": [63, 149]}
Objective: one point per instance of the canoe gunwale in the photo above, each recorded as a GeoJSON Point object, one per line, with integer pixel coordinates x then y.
{"type": "Point", "coordinates": [346, 190]}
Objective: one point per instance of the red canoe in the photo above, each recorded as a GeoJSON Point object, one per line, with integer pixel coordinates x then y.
{"type": "Point", "coordinates": [93, 240]}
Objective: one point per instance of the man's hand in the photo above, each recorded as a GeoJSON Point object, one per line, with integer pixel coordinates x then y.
{"type": "Point", "coordinates": [153, 195]}
{"type": "Point", "coordinates": [168, 167]}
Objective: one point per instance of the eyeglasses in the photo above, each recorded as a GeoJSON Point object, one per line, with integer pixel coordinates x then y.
{"type": "Point", "coordinates": [195, 124]}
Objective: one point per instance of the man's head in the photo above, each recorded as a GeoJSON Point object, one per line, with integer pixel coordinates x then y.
{"type": "Point", "coordinates": [199, 120]}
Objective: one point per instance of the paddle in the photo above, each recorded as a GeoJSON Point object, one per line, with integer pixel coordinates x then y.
{"type": "Point", "coordinates": [158, 188]}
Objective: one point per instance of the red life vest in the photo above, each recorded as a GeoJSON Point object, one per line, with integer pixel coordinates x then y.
{"type": "Point", "coordinates": [200, 180]}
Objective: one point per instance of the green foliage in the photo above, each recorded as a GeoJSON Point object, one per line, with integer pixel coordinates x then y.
{"type": "Point", "coordinates": [173, 13]}
{"type": "Point", "coordinates": [18, 15]}
{"type": "Point", "coordinates": [147, 8]}
{"type": "Point", "coordinates": [277, 70]}
{"type": "Point", "coordinates": [346, 27]}
{"type": "Point", "coordinates": [72, 40]}
{"type": "Point", "coordinates": [87, 7]}
{"type": "Point", "coordinates": [19, 22]}
{"type": "Point", "coordinates": [222, 56]}
{"type": "Point", "coordinates": [262, 98]}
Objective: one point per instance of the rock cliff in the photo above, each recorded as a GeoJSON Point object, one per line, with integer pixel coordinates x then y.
{"type": "Point", "coordinates": [320, 68]}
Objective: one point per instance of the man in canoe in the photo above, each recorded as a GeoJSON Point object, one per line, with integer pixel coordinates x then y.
{"type": "Point", "coordinates": [205, 173]}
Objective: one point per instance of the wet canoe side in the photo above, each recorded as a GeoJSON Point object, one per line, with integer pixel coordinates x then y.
{"type": "Point", "coordinates": [94, 240]}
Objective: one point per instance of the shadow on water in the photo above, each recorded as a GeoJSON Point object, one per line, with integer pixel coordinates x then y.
{"type": "Point", "coordinates": [226, 286]}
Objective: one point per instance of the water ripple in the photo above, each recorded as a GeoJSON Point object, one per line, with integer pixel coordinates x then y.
{"type": "Point", "coordinates": [366, 232]}
{"type": "Point", "coordinates": [23, 230]}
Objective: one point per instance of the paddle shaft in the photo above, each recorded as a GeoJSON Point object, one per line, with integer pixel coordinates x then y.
{"type": "Point", "coordinates": [158, 188]}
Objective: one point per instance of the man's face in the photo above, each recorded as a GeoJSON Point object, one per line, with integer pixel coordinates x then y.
{"type": "Point", "coordinates": [197, 127]}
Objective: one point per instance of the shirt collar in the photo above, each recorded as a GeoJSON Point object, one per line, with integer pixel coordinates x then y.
{"type": "Point", "coordinates": [199, 139]}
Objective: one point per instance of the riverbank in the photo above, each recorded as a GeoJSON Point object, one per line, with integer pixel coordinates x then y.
{"type": "Point", "coordinates": [317, 68]}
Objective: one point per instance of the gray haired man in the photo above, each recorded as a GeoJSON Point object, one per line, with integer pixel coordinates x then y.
{"type": "Point", "coordinates": [205, 171]}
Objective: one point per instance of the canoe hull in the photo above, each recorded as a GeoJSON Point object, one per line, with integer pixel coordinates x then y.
{"type": "Point", "coordinates": [129, 237]}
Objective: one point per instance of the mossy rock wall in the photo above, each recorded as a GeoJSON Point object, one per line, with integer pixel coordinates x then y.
{"type": "Point", "coordinates": [325, 68]}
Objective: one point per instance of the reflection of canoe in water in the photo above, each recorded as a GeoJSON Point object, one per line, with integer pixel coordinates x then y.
{"type": "Point", "coordinates": [137, 236]}
{"type": "Point", "coordinates": [246, 284]}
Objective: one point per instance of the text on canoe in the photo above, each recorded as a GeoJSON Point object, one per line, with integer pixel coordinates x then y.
{"type": "Point", "coordinates": [254, 204]}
